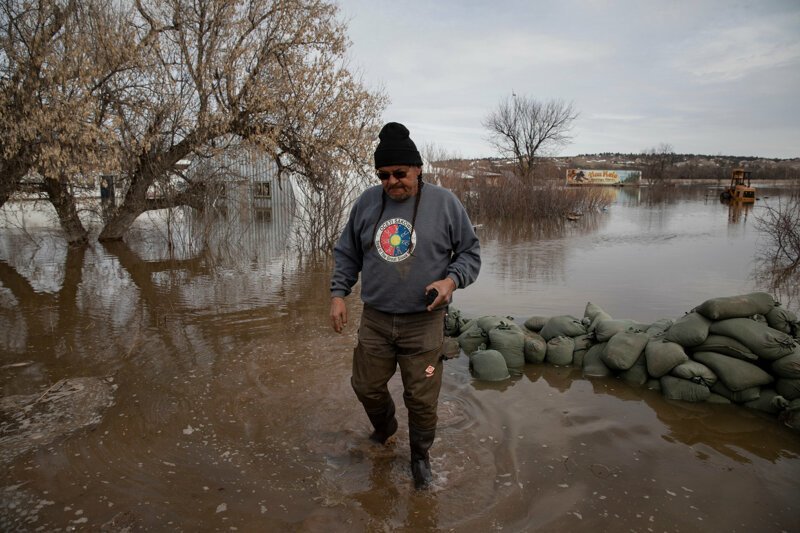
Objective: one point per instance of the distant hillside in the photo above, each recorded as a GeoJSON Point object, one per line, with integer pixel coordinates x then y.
{"type": "Point", "coordinates": [677, 166]}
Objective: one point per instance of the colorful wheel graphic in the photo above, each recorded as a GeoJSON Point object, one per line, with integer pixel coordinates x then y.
{"type": "Point", "coordinates": [395, 240]}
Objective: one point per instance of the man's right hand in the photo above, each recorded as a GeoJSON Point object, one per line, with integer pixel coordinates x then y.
{"type": "Point", "coordinates": [338, 314]}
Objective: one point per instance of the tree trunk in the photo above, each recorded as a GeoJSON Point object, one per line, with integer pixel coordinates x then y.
{"type": "Point", "coordinates": [11, 172]}
{"type": "Point", "coordinates": [64, 203]}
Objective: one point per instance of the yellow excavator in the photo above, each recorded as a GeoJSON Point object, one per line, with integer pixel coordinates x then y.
{"type": "Point", "coordinates": [740, 189]}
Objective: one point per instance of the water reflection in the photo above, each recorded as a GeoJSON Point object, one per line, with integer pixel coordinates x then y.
{"type": "Point", "coordinates": [234, 408]}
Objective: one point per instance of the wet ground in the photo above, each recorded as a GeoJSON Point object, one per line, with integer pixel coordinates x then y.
{"type": "Point", "coordinates": [231, 407]}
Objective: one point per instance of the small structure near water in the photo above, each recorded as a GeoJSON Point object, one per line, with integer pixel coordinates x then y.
{"type": "Point", "coordinates": [738, 349]}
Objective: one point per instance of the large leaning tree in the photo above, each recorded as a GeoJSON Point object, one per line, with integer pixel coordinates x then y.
{"type": "Point", "coordinates": [170, 80]}
{"type": "Point", "coordinates": [523, 128]}
{"type": "Point", "coordinates": [53, 68]}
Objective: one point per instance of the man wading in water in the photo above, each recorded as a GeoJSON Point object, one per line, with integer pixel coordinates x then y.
{"type": "Point", "coordinates": [413, 244]}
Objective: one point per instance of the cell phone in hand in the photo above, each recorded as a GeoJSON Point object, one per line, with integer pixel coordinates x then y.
{"type": "Point", "coordinates": [430, 296]}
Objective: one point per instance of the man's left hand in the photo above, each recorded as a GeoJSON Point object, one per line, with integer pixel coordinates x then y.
{"type": "Point", "coordinates": [446, 287]}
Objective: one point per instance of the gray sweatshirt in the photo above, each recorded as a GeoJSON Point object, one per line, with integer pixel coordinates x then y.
{"type": "Point", "coordinates": [395, 272]}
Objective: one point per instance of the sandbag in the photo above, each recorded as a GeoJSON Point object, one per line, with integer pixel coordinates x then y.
{"type": "Point", "coordinates": [489, 322]}
{"type": "Point", "coordinates": [727, 346]}
{"type": "Point", "coordinates": [788, 388]}
{"type": "Point", "coordinates": [624, 349]}
{"type": "Point", "coordinates": [509, 340]}
{"type": "Point", "coordinates": [689, 330]}
{"type": "Point", "coordinates": [594, 313]}
{"type": "Point", "coordinates": [559, 350]}
{"type": "Point", "coordinates": [745, 395]}
{"type": "Point", "coordinates": [452, 322]}
{"type": "Point", "coordinates": [770, 402]}
{"type": "Point", "coordinates": [536, 323]}
{"type": "Point", "coordinates": [734, 373]}
{"type": "Point", "coordinates": [674, 388]}
{"type": "Point", "coordinates": [782, 319]}
{"type": "Point", "coordinates": [535, 348]}
{"type": "Point", "coordinates": [716, 398]}
{"type": "Point", "coordinates": [659, 328]}
{"type": "Point", "coordinates": [791, 415]}
{"type": "Point", "coordinates": [582, 345]}
{"type": "Point", "coordinates": [788, 366]}
{"type": "Point", "coordinates": [637, 374]}
{"type": "Point", "coordinates": [605, 329]}
{"type": "Point", "coordinates": [472, 338]}
{"type": "Point", "coordinates": [562, 326]}
{"type": "Point", "coordinates": [488, 365]}
{"type": "Point", "coordinates": [694, 371]}
{"type": "Point", "coordinates": [761, 339]}
{"type": "Point", "coordinates": [593, 365]}
{"type": "Point", "coordinates": [661, 356]}
{"type": "Point", "coordinates": [741, 306]}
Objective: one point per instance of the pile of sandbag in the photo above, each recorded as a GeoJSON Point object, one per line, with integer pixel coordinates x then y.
{"type": "Point", "coordinates": [742, 349]}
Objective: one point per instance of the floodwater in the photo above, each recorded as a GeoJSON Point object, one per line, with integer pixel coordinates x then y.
{"type": "Point", "coordinates": [232, 409]}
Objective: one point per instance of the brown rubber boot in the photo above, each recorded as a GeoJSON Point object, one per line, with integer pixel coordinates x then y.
{"type": "Point", "coordinates": [421, 441]}
{"type": "Point", "coordinates": [385, 424]}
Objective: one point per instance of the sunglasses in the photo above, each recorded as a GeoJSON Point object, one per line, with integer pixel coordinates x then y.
{"type": "Point", "coordinates": [398, 174]}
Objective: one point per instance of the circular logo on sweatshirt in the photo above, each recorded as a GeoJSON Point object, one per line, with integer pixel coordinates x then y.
{"type": "Point", "coordinates": [395, 240]}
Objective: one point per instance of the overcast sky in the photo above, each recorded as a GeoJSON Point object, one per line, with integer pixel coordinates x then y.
{"type": "Point", "coordinates": [706, 76]}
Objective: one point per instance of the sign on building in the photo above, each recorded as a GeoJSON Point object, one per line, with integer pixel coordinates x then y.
{"type": "Point", "coordinates": [577, 176]}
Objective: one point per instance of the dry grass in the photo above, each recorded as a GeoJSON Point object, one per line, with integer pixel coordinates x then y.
{"type": "Point", "coordinates": [518, 201]}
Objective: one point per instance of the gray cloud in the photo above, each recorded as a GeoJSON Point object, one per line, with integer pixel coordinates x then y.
{"type": "Point", "coordinates": [707, 76]}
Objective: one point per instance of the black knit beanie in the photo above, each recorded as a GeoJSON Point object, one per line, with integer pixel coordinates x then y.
{"type": "Point", "coordinates": [396, 147]}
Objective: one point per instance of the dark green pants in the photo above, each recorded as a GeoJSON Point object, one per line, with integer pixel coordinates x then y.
{"type": "Point", "coordinates": [414, 343]}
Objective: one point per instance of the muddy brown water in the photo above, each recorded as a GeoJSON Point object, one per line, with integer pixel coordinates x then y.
{"type": "Point", "coordinates": [232, 408]}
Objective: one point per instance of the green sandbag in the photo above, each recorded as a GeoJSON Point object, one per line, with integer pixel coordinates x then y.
{"type": "Point", "coordinates": [562, 326]}
{"type": "Point", "coordinates": [637, 374]}
{"type": "Point", "coordinates": [624, 349]}
{"type": "Point", "coordinates": [788, 388]}
{"type": "Point", "coordinates": [717, 398]}
{"type": "Point", "coordinates": [745, 395]}
{"type": "Point", "coordinates": [594, 313]}
{"type": "Point", "coordinates": [782, 319]}
{"type": "Point", "coordinates": [662, 356]}
{"type": "Point", "coordinates": [761, 339]}
{"type": "Point", "coordinates": [582, 345]}
{"type": "Point", "coordinates": [535, 348]}
{"type": "Point", "coordinates": [734, 373]}
{"type": "Point", "coordinates": [726, 345]}
{"type": "Point", "coordinates": [743, 305]}
{"type": "Point", "coordinates": [689, 330]}
{"type": "Point", "coordinates": [593, 365]}
{"type": "Point", "coordinates": [605, 329]}
{"type": "Point", "coordinates": [791, 415]}
{"type": "Point", "coordinates": [770, 402]}
{"type": "Point", "coordinates": [452, 322]}
{"type": "Point", "coordinates": [472, 338]}
{"type": "Point", "coordinates": [673, 388]}
{"type": "Point", "coordinates": [509, 340]}
{"type": "Point", "coordinates": [653, 384]}
{"type": "Point", "coordinates": [488, 365]}
{"type": "Point", "coordinates": [489, 322]}
{"type": "Point", "coordinates": [536, 323]}
{"type": "Point", "coordinates": [659, 328]}
{"type": "Point", "coordinates": [694, 371]}
{"type": "Point", "coordinates": [559, 350]}
{"type": "Point", "coordinates": [788, 366]}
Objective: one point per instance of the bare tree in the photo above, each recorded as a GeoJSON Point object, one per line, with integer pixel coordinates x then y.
{"type": "Point", "coordinates": [778, 263]}
{"type": "Point", "coordinates": [51, 79]}
{"type": "Point", "coordinates": [522, 127]}
{"type": "Point", "coordinates": [150, 84]}
{"type": "Point", "coordinates": [657, 162]}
